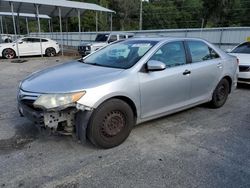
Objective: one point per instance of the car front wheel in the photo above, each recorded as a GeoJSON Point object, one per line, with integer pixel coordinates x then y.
{"type": "Point", "coordinates": [220, 94]}
{"type": "Point", "coordinates": [9, 53]}
{"type": "Point", "coordinates": [110, 124]}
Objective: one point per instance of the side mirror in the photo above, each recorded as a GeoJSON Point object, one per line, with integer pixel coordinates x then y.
{"type": "Point", "coordinates": [20, 42]}
{"type": "Point", "coordinates": [153, 65]}
{"type": "Point", "coordinates": [228, 50]}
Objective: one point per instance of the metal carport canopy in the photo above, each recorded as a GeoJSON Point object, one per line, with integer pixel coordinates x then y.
{"type": "Point", "coordinates": [61, 8]}
{"type": "Point", "coordinates": [25, 15]}
{"type": "Point", "coordinates": [49, 7]}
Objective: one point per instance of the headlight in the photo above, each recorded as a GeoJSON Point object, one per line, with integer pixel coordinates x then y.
{"type": "Point", "coordinates": [50, 101]}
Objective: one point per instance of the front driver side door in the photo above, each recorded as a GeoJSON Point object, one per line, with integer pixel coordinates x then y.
{"type": "Point", "coordinates": [25, 47]}
{"type": "Point", "coordinates": [169, 89]}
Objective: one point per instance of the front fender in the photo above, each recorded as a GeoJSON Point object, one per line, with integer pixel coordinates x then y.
{"type": "Point", "coordinates": [95, 102]}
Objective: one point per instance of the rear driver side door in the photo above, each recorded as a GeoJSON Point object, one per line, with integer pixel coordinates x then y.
{"type": "Point", "coordinates": [206, 69]}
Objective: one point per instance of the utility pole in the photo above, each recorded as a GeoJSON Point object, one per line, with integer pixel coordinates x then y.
{"type": "Point", "coordinates": [140, 23]}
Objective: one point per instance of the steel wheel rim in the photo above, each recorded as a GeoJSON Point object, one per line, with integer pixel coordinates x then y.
{"type": "Point", "coordinates": [113, 123]}
{"type": "Point", "coordinates": [221, 94]}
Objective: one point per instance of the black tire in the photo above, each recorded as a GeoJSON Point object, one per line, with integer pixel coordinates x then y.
{"type": "Point", "coordinates": [220, 94]}
{"type": "Point", "coordinates": [110, 124]}
{"type": "Point", "coordinates": [9, 53]}
{"type": "Point", "coordinates": [50, 52]}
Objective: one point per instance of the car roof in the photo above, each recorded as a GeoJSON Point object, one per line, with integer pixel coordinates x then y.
{"type": "Point", "coordinates": [158, 39]}
{"type": "Point", "coordinates": [116, 33]}
{"type": "Point", "coordinates": [35, 38]}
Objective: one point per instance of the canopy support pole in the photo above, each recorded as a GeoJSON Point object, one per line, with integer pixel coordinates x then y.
{"type": "Point", "coordinates": [111, 22]}
{"type": "Point", "coordinates": [18, 24]}
{"type": "Point", "coordinates": [52, 30]}
{"type": "Point", "coordinates": [14, 25]}
{"type": "Point", "coordinates": [49, 25]}
{"type": "Point", "coordinates": [1, 20]}
{"type": "Point", "coordinates": [27, 26]}
{"type": "Point", "coordinates": [60, 21]}
{"type": "Point", "coordinates": [6, 26]}
{"type": "Point", "coordinates": [140, 22]}
{"type": "Point", "coordinates": [96, 21]}
{"type": "Point", "coordinates": [39, 29]}
{"type": "Point", "coordinates": [67, 30]}
{"type": "Point", "coordinates": [79, 24]}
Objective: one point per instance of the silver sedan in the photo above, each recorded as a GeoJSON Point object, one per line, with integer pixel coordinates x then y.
{"type": "Point", "coordinates": [102, 96]}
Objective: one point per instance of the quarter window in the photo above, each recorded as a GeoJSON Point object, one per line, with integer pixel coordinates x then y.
{"type": "Point", "coordinates": [172, 54]}
{"type": "Point", "coordinates": [201, 52]}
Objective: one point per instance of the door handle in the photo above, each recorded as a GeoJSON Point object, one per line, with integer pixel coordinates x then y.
{"type": "Point", "coordinates": [186, 72]}
{"type": "Point", "coordinates": [219, 65]}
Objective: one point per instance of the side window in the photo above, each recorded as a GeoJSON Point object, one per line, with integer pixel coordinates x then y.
{"type": "Point", "coordinates": [201, 52]}
{"type": "Point", "coordinates": [27, 40]}
{"type": "Point", "coordinates": [122, 37]}
{"type": "Point", "coordinates": [36, 40]}
{"type": "Point", "coordinates": [44, 40]}
{"type": "Point", "coordinates": [112, 38]}
{"type": "Point", "coordinates": [172, 54]}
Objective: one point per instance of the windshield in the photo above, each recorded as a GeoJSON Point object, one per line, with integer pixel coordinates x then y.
{"type": "Point", "coordinates": [243, 48]}
{"type": "Point", "coordinates": [121, 55]}
{"type": "Point", "coordinates": [101, 38]}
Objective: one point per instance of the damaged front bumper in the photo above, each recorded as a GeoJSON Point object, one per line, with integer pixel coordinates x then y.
{"type": "Point", "coordinates": [66, 121]}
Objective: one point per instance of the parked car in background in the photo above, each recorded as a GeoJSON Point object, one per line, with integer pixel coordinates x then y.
{"type": "Point", "coordinates": [29, 46]}
{"type": "Point", "coordinates": [103, 95]}
{"type": "Point", "coordinates": [101, 40]}
{"type": "Point", "coordinates": [242, 52]}
{"type": "Point", "coordinates": [5, 38]}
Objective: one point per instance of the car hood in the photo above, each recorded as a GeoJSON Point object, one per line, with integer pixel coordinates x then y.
{"type": "Point", "coordinates": [7, 45]}
{"type": "Point", "coordinates": [93, 44]}
{"type": "Point", "coordinates": [244, 59]}
{"type": "Point", "coordinates": [69, 77]}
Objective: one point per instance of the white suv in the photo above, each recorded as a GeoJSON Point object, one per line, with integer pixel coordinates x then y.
{"type": "Point", "coordinates": [29, 46]}
{"type": "Point", "coordinates": [102, 40]}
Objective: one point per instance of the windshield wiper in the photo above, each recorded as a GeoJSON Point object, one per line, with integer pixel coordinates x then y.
{"type": "Point", "coordinates": [81, 60]}
{"type": "Point", "coordinates": [95, 64]}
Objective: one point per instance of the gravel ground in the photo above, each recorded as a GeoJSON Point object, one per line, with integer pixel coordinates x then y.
{"type": "Point", "coordinates": [200, 147]}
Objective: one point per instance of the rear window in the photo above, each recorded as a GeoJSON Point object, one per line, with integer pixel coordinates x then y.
{"type": "Point", "coordinates": [242, 48]}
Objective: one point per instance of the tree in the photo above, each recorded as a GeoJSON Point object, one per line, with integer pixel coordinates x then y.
{"type": "Point", "coordinates": [127, 13]}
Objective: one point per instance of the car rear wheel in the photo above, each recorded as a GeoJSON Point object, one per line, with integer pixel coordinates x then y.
{"type": "Point", "coordinates": [9, 53]}
{"type": "Point", "coordinates": [50, 52]}
{"type": "Point", "coordinates": [220, 94]}
{"type": "Point", "coordinates": [110, 124]}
